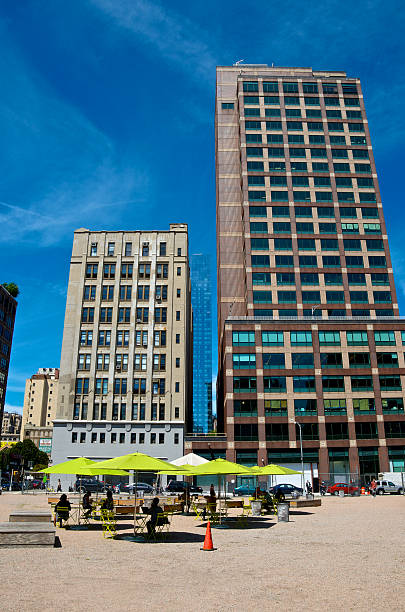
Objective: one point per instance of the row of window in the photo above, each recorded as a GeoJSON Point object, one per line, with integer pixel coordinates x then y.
{"type": "Point", "coordinates": [303, 166]}
{"type": "Point", "coordinates": [253, 110]}
{"type": "Point", "coordinates": [323, 212]}
{"type": "Point", "coordinates": [366, 197]}
{"type": "Point", "coordinates": [313, 152]}
{"type": "Point", "coordinates": [314, 297]}
{"type": "Point", "coordinates": [300, 100]}
{"type": "Point", "coordinates": [307, 227]}
{"type": "Point", "coordinates": [120, 386]}
{"type": "Point", "coordinates": [110, 250]}
{"type": "Point", "coordinates": [122, 338]}
{"type": "Point", "coordinates": [306, 384]}
{"type": "Point", "coordinates": [312, 278]}
{"type": "Point", "coordinates": [304, 338]}
{"type": "Point", "coordinates": [326, 261]}
{"type": "Point", "coordinates": [294, 87]}
{"type": "Point", "coordinates": [298, 126]}
{"type": "Point", "coordinates": [309, 244]}
{"type": "Point", "coordinates": [364, 430]}
{"type": "Point", "coordinates": [121, 438]}
{"type": "Point", "coordinates": [121, 362]}
{"type": "Point", "coordinates": [127, 270]}
{"type": "Point", "coordinates": [124, 315]}
{"type": "Point", "coordinates": [309, 406]}
{"type": "Point", "coordinates": [125, 292]}
{"type": "Point", "coordinates": [265, 313]}
{"type": "Point", "coordinates": [299, 139]}
{"type": "Point", "coordinates": [304, 181]}
{"type": "Point", "coordinates": [271, 361]}
{"type": "Point", "coordinates": [119, 411]}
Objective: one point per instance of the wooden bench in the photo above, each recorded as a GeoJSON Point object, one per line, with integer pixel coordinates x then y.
{"type": "Point", "coordinates": [30, 517]}
{"type": "Point", "coordinates": [305, 503]}
{"type": "Point", "coordinates": [26, 534]}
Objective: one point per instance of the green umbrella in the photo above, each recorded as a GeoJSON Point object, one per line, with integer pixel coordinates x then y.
{"type": "Point", "coordinates": [139, 463]}
{"type": "Point", "coordinates": [82, 466]}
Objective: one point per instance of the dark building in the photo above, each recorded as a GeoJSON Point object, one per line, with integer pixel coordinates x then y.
{"type": "Point", "coordinates": [309, 331]}
{"type": "Point", "coordinates": [201, 295]}
{"type": "Point", "coordinates": [8, 307]}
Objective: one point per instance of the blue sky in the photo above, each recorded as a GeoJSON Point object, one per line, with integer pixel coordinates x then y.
{"type": "Point", "coordinates": [107, 122]}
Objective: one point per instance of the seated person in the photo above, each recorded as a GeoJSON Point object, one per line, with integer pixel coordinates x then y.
{"type": "Point", "coordinates": [154, 511]}
{"type": "Point", "coordinates": [87, 505]}
{"type": "Point", "coordinates": [108, 502]}
{"type": "Point", "coordinates": [62, 509]}
{"type": "Point", "coordinates": [211, 502]}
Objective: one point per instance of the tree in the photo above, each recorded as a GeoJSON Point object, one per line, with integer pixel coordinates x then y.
{"type": "Point", "coordinates": [12, 288]}
{"type": "Point", "coordinates": [23, 453]}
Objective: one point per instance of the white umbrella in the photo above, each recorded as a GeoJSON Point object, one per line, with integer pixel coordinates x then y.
{"type": "Point", "coordinates": [190, 459]}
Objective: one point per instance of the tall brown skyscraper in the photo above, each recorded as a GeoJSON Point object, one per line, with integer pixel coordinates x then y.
{"type": "Point", "coordinates": [309, 332]}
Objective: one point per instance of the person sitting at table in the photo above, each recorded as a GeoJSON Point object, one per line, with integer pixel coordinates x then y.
{"type": "Point", "coordinates": [87, 505]}
{"type": "Point", "coordinates": [108, 502]}
{"type": "Point", "coordinates": [154, 512]}
{"type": "Point", "coordinates": [62, 509]}
{"type": "Point", "coordinates": [211, 502]}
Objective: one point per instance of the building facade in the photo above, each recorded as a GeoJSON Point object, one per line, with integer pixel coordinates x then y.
{"type": "Point", "coordinates": [39, 411]}
{"type": "Point", "coordinates": [8, 308]}
{"type": "Point", "coordinates": [201, 299]}
{"type": "Point", "coordinates": [310, 337]}
{"type": "Point", "coordinates": [125, 377]}
{"type": "Point", "coordinates": [11, 427]}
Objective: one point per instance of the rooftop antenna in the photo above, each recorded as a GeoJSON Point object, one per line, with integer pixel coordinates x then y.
{"type": "Point", "coordinates": [238, 62]}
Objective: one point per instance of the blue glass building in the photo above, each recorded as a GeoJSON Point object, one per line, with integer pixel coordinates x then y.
{"type": "Point", "coordinates": [202, 342]}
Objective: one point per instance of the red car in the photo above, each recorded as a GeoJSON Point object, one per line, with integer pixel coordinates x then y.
{"type": "Point", "coordinates": [342, 486]}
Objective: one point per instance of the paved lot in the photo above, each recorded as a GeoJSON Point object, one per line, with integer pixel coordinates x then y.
{"type": "Point", "coordinates": [331, 557]}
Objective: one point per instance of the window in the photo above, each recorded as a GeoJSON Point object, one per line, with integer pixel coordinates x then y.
{"type": "Point", "coordinates": [143, 270]}
{"type": "Point", "coordinates": [89, 292]}
{"type": "Point", "coordinates": [93, 249]}
{"type": "Point", "coordinates": [387, 360]}
{"type": "Point", "coordinates": [122, 338]}
{"type": "Point", "coordinates": [311, 297]}
{"type": "Point", "coordinates": [329, 244]}
{"type": "Point", "coordinates": [101, 386]}
{"type": "Point", "coordinates": [280, 211]}
{"type": "Point", "coordinates": [357, 338]}
{"type": "Point", "coordinates": [274, 384]}
{"type": "Point", "coordinates": [252, 86]}
{"type": "Point", "coordinates": [177, 387]}
{"type": "Point", "coordinates": [308, 261]}
{"type": "Point", "coordinates": [125, 292]}
{"type": "Point", "coordinates": [281, 227]}
{"type": "Point", "coordinates": [271, 338]}
{"type": "Point", "coordinates": [359, 360]}
{"type": "Point", "coordinates": [390, 383]}
{"type": "Point", "coordinates": [301, 338]}
{"type": "Point", "coordinates": [337, 431]}
{"type": "Point", "coordinates": [333, 278]}
{"type": "Point", "coordinates": [329, 338]}
{"type": "Point", "coordinates": [104, 337]}
{"type": "Point", "coordinates": [303, 384]}
{"type": "Point", "coordinates": [103, 361]}
{"type": "Point", "coordinates": [382, 297]}
{"type": "Point", "coordinates": [273, 361]}
{"type": "Point", "coordinates": [361, 406]}
{"type": "Point", "coordinates": [259, 244]}
{"type": "Point", "coordinates": [86, 338]}
{"type": "Point", "coordinates": [366, 430]}
{"type": "Point", "coordinates": [244, 384]}
{"type": "Point", "coordinates": [109, 271]}
{"type": "Point", "coordinates": [142, 315]}
{"type": "Point", "coordinates": [257, 211]}
{"type": "Point", "coordinates": [331, 360]}
{"type": "Point", "coordinates": [362, 383]}
{"type": "Point", "coordinates": [74, 437]}
{"type": "Point", "coordinates": [309, 278]}
{"type": "Point", "coordinates": [277, 407]}
{"type": "Point", "coordinates": [354, 261]}
{"type": "Point", "coordinates": [297, 152]}
{"type": "Point", "coordinates": [302, 361]}
{"type": "Point", "coordinates": [262, 297]}
{"type": "Point", "coordinates": [127, 270]}
{"type": "Point", "coordinates": [244, 361]}
{"type": "Point", "coordinates": [384, 338]}
{"type": "Point", "coordinates": [305, 407]}
{"type": "Point", "coordinates": [334, 406]}
{"type": "Point", "coordinates": [258, 227]}
{"type": "Point", "coordinates": [286, 297]}
{"type": "Point", "coordinates": [276, 431]}
{"type": "Point", "coordinates": [306, 244]}
{"type": "Point", "coordinates": [359, 297]}
{"type": "Point", "coordinates": [110, 248]}
{"type": "Point", "coordinates": [106, 315]}
{"type": "Point", "coordinates": [227, 105]}
{"type": "Point", "coordinates": [87, 315]}
{"type": "Point", "coordinates": [128, 249]}
{"type": "Point", "coordinates": [392, 405]}
{"type": "Point", "coordinates": [162, 249]}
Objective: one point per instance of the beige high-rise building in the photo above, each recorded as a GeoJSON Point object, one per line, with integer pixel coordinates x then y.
{"type": "Point", "coordinates": [40, 401]}
{"type": "Point", "coordinates": [125, 376]}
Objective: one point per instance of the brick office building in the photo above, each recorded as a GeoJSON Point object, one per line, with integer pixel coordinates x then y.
{"type": "Point", "coordinates": [308, 324]}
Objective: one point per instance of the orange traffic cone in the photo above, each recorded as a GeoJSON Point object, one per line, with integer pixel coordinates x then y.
{"type": "Point", "coordinates": [363, 490]}
{"type": "Point", "coordinates": [208, 545]}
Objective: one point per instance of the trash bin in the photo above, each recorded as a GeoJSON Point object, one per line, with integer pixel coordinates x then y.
{"type": "Point", "coordinates": [283, 513]}
{"type": "Point", "coordinates": [341, 493]}
{"type": "Point", "coordinates": [309, 496]}
{"type": "Point", "coordinates": [256, 506]}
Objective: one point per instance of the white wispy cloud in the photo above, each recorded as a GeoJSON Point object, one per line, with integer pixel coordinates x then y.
{"type": "Point", "coordinates": [67, 172]}
{"type": "Point", "coordinates": [176, 38]}
{"type": "Point", "coordinates": [11, 408]}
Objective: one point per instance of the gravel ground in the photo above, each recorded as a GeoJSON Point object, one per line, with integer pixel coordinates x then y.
{"type": "Point", "coordinates": [328, 557]}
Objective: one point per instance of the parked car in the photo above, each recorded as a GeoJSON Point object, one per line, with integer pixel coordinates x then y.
{"type": "Point", "coordinates": [348, 489]}
{"type": "Point", "coordinates": [178, 486]}
{"type": "Point", "coordinates": [386, 486]}
{"type": "Point", "coordinates": [141, 487]}
{"type": "Point", "coordinates": [14, 487]}
{"type": "Point", "coordinates": [89, 484]}
{"type": "Point", "coordinates": [285, 491]}
{"type": "Point", "coordinates": [243, 490]}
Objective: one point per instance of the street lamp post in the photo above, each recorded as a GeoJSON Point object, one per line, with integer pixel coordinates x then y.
{"type": "Point", "coordinates": [302, 458]}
